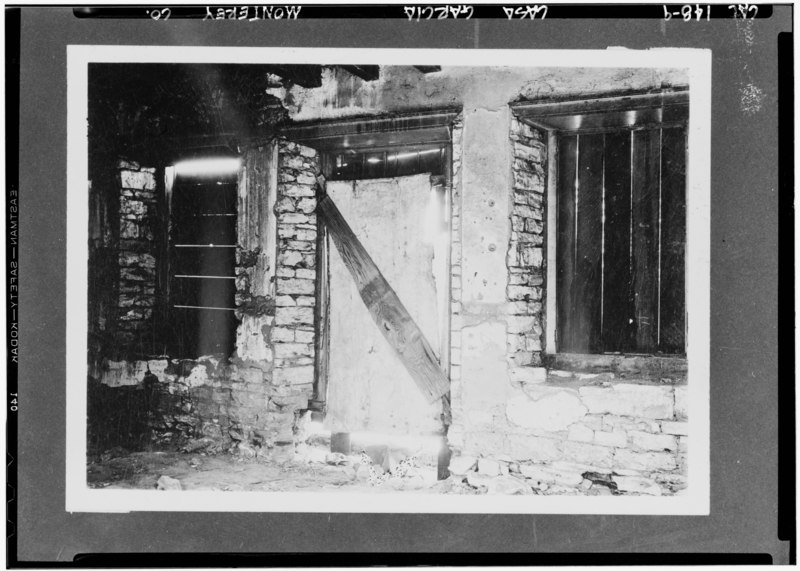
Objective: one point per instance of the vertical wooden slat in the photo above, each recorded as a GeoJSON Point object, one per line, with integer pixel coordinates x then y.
{"type": "Point", "coordinates": [322, 318]}
{"type": "Point", "coordinates": [587, 279]}
{"type": "Point", "coordinates": [565, 241]}
{"type": "Point", "coordinates": [618, 309]}
{"type": "Point", "coordinates": [673, 240]}
{"type": "Point", "coordinates": [645, 194]}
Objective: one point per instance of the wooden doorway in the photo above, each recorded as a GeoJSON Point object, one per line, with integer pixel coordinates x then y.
{"type": "Point", "coordinates": [402, 223]}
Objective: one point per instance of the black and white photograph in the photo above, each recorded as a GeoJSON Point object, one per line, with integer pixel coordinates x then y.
{"type": "Point", "coordinates": [357, 285]}
{"type": "Point", "coordinates": [446, 286]}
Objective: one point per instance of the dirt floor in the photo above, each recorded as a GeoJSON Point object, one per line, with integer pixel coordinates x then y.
{"type": "Point", "coordinates": [166, 469]}
{"type": "Point", "coordinates": [316, 469]}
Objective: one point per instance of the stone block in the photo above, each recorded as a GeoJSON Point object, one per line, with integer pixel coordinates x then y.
{"type": "Point", "coordinates": [461, 465]}
{"type": "Point", "coordinates": [526, 181]}
{"type": "Point", "coordinates": [522, 323]}
{"type": "Point", "coordinates": [137, 179]}
{"type": "Point", "coordinates": [636, 485]}
{"type": "Point", "coordinates": [296, 218]}
{"type": "Point", "coordinates": [624, 423]}
{"type": "Point", "coordinates": [580, 433]}
{"type": "Point", "coordinates": [297, 190]}
{"type": "Point", "coordinates": [284, 205]}
{"type": "Point", "coordinates": [532, 256]}
{"type": "Point", "coordinates": [534, 226]}
{"type": "Point", "coordinates": [535, 448]}
{"type": "Point", "coordinates": [528, 153]}
{"type": "Point", "coordinates": [483, 442]}
{"type": "Point", "coordinates": [288, 161]}
{"type": "Point", "coordinates": [282, 334]}
{"type": "Point", "coordinates": [306, 178]}
{"type": "Point", "coordinates": [644, 461]}
{"type": "Point", "coordinates": [304, 336]}
{"type": "Point", "coordinates": [479, 481]}
{"type": "Point", "coordinates": [552, 411]}
{"type": "Point", "coordinates": [295, 286]}
{"type": "Point", "coordinates": [523, 292]}
{"type": "Point", "coordinates": [533, 342]}
{"type": "Point", "coordinates": [305, 274]}
{"type": "Point", "coordinates": [616, 439]}
{"type": "Point", "coordinates": [284, 301]}
{"type": "Point", "coordinates": [290, 258]}
{"type": "Point", "coordinates": [682, 402]}
{"type": "Point", "coordinates": [292, 350]}
{"type": "Point", "coordinates": [647, 441]}
{"type": "Point", "coordinates": [294, 315]}
{"type": "Point", "coordinates": [590, 454]}
{"type": "Point", "coordinates": [507, 486]}
{"type": "Point", "coordinates": [549, 475]}
{"type": "Point", "coordinates": [675, 428]}
{"type": "Point", "coordinates": [629, 400]}
{"type": "Point", "coordinates": [294, 375]}
{"type": "Point", "coordinates": [593, 421]}
{"type": "Point", "coordinates": [488, 467]}
{"type": "Point", "coordinates": [307, 205]}
{"type": "Point", "coordinates": [128, 230]}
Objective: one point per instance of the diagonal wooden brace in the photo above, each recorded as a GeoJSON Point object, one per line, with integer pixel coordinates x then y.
{"type": "Point", "coordinates": [389, 313]}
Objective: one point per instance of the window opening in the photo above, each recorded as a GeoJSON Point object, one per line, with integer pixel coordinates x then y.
{"type": "Point", "coordinates": [621, 241]}
{"type": "Point", "coordinates": [202, 258]}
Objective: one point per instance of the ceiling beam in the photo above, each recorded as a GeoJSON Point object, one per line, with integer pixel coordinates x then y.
{"type": "Point", "coordinates": [303, 75]}
{"type": "Point", "coordinates": [365, 72]}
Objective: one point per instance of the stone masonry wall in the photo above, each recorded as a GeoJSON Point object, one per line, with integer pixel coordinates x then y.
{"type": "Point", "coordinates": [456, 429]}
{"type": "Point", "coordinates": [525, 257]}
{"type": "Point", "coordinates": [598, 438]}
{"type": "Point", "coordinates": [137, 262]}
{"type": "Point", "coordinates": [247, 404]}
{"type": "Point", "coordinates": [561, 431]}
{"type": "Point", "coordinates": [293, 334]}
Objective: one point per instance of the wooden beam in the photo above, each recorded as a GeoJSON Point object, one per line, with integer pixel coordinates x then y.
{"type": "Point", "coordinates": [428, 68]}
{"type": "Point", "coordinates": [365, 72]}
{"type": "Point", "coordinates": [388, 312]}
{"type": "Point", "coordinates": [307, 76]}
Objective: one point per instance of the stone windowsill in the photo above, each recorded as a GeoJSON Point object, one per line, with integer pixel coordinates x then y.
{"type": "Point", "coordinates": [574, 369]}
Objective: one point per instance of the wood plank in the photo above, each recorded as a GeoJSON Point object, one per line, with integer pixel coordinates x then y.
{"type": "Point", "coordinates": [588, 259]}
{"type": "Point", "coordinates": [645, 195]}
{"type": "Point", "coordinates": [322, 317]}
{"type": "Point", "coordinates": [672, 319]}
{"type": "Point", "coordinates": [365, 72]}
{"type": "Point", "coordinates": [428, 68]}
{"type": "Point", "coordinates": [386, 309]}
{"type": "Point", "coordinates": [565, 242]}
{"type": "Point", "coordinates": [618, 308]}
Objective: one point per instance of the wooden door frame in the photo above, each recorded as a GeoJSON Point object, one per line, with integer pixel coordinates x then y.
{"type": "Point", "coordinates": [368, 133]}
